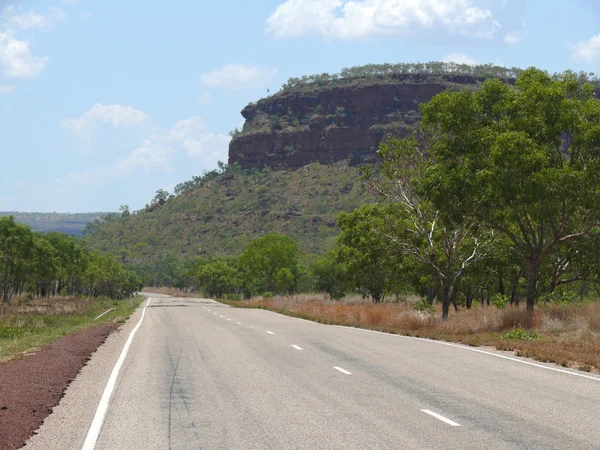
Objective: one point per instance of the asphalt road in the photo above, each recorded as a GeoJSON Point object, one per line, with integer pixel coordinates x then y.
{"type": "Point", "coordinates": [199, 375]}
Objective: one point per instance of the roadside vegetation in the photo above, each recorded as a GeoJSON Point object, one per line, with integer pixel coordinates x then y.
{"type": "Point", "coordinates": [53, 284]}
{"type": "Point", "coordinates": [28, 325]}
{"type": "Point", "coordinates": [38, 265]}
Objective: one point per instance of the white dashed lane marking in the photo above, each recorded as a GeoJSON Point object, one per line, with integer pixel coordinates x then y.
{"type": "Point", "coordinates": [442, 418]}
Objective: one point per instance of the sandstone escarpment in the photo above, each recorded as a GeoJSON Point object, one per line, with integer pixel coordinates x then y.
{"type": "Point", "coordinates": [327, 124]}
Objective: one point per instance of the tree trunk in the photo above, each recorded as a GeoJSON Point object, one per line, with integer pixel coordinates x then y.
{"type": "Point", "coordinates": [430, 294]}
{"type": "Point", "coordinates": [532, 278]}
{"type": "Point", "coordinates": [445, 301]}
{"type": "Point", "coordinates": [500, 284]}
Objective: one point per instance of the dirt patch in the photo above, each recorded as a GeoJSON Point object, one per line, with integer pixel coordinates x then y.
{"type": "Point", "coordinates": [32, 386]}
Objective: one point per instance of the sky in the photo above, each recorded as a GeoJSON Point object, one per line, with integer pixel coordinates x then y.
{"type": "Point", "coordinates": [103, 102]}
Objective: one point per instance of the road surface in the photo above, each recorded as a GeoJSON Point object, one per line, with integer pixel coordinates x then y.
{"type": "Point", "coordinates": [199, 375]}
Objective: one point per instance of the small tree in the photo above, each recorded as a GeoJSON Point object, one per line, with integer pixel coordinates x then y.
{"type": "Point", "coordinates": [265, 257]}
{"type": "Point", "coordinates": [364, 255]}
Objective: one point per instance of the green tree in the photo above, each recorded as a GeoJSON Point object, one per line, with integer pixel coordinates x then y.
{"type": "Point", "coordinates": [329, 276]}
{"type": "Point", "coordinates": [16, 244]}
{"type": "Point", "coordinates": [364, 253]}
{"type": "Point", "coordinates": [263, 259]}
{"type": "Point", "coordinates": [523, 161]}
{"type": "Point", "coordinates": [414, 225]}
{"type": "Point", "coordinates": [218, 278]}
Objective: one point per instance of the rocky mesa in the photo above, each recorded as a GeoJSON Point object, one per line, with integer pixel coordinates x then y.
{"type": "Point", "coordinates": [327, 118]}
{"type": "Point", "coordinates": [335, 121]}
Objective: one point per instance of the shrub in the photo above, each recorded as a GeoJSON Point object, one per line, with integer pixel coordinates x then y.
{"type": "Point", "coordinates": [267, 295]}
{"type": "Point", "coordinates": [500, 301]}
{"type": "Point", "coordinates": [424, 306]}
{"type": "Point", "coordinates": [519, 334]}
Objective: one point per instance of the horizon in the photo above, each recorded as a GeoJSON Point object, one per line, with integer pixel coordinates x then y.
{"type": "Point", "coordinates": [100, 110]}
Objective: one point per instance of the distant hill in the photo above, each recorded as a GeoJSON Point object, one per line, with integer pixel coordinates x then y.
{"type": "Point", "coordinates": [66, 223]}
{"type": "Point", "coordinates": [218, 214]}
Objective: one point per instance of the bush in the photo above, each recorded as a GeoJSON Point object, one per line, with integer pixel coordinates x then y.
{"type": "Point", "coordinates": [519, 334]}
{"type": "Point", "coordinates": [267, 295]}
{"type": "Point", "coordinates": [424, 306]}
{"type": "Point", "coordinates": [500, 301]}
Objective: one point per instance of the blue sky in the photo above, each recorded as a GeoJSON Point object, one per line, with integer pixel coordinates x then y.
{"type": "Point", "coordinates": [102, 102]}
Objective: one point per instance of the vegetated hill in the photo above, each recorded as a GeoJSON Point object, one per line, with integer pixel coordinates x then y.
{"type": "Point", "coordinates": [73, 224]}
{"type": "Point", "coordinates": [223, 212]}
{"type": "Point", "coordinates": [327, 118]}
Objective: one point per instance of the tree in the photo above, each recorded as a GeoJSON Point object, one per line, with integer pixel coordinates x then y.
{"type": "Point", "coordinates": [416, 226]}
{"type": "Point", "coordinates": [124, 210]}
{"type": "Point", "coordinates": [218, 278]}
{"type": "Point", "coordinates": [364, 252]}
{"type": "Point", "coordinates": [263, 259]}
{"type": "Point", "coordinates": [523, 161]}
{"type": "Point", "coordinates": [329, 276]}
{"type": "Point", "coordinates": [16, 244]}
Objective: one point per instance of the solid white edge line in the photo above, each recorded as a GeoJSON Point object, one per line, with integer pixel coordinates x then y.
{"type": "Point", "coordinates": [449, 344]}
{"type": "Point", "coordinates": [97, 422]}
{"type": "Point", "coordinates": [270, 332]}
{"type": "Point", "coordinates": [345, 372]}
{"type": "Point", "coordinates": [104, 313]}
{"type": "Point", "coordinates": [296, 347]}
{"type": "Point", "coordinates": [442, 418]}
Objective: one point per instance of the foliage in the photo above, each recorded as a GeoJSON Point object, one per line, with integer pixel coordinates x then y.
{"type": "Point", "coordinates": [270, 263]}
{"type": "Point", "coordinates": [49, 264]}
{"type": "Point", "coordinates": [500, 301]}
{"type": "Point", "coordinates": [394, 70]}
{"type": "Point", "coordinates": [365, 254]}
{"type": "Point", "coordinates": [522, 162]}
{"type": "Point", "coordinates": [329, 276]}
{"type": "Point", "coordinates": [519, 334]}
{"type": "Point", "coordinates": [218, 278]}
{"type": "Point", "coordinates": [424, 306]}
{"type": "Point", "coordinates": [221, 213]}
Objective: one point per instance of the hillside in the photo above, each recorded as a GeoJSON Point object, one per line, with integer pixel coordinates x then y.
{"type": "Point", "coordinates": [73, 224]}
{"type": "Point", "coordinates": [224, 212]}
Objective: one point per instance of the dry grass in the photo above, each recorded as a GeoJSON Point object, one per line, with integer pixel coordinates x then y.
{"type": "Point", "coordinates": [567, 335]}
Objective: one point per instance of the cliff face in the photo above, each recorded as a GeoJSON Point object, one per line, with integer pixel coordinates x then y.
{"type": "Point", "coordinates": [290, 130]}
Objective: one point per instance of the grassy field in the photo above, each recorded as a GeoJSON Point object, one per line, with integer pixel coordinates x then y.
{"type": "Point", "coordinates": [565, 335]}
{"type": "Point", "coordinates": [28, 326]}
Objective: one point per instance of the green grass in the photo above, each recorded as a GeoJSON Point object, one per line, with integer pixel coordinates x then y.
{"type": "Point", "coordinates": [27, 328]}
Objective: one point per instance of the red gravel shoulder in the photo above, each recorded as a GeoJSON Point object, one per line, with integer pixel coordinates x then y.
{"type": "Point", "coordinates": [31, 387]}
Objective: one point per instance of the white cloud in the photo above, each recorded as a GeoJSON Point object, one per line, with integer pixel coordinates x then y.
{"type": "Point", "coordinates": [514, 37]}
{"type": "Point", "coordinates": [587, 51]}
{"type": "Point", "coordinates": [33, 19]}
{"type": "Point", "coordinates": [115, 115]}
{"type": "Point", "coordinates": [355, 19]}
{"type": "Point", "coordinates": [69, 2]}
{"type": "Point", "coordinates": [238, 76]}
{"type": "Point", "coordinates": [460, 58]}
{"type": "Point", "coordinates": [6, 88]}
{"type": "Point", "coordinates": [16, 59]}
{"type": "Point", "coordinates": [188, 138]}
